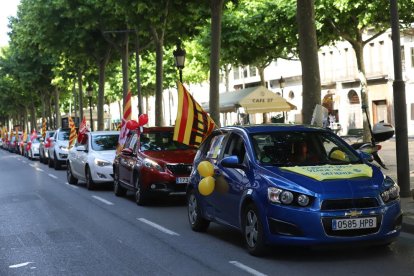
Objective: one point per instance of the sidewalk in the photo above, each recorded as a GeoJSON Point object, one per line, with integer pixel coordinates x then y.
{"type": "Point", "coordinates": [388, 154]}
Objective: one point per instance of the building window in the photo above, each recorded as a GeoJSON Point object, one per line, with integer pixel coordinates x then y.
{"type": "Point", "coordinates": [236, 73]}
{"type": "Point", "coordinates": [403, 58]}
{"type": "Point", "coordinates": [253, 71]}
{"type": "Point", "coordinates": [245, 72]}
{"type": "Point", "coordinates": [353, 97]}
{"type": "Point", "coordinates": [291, 95]}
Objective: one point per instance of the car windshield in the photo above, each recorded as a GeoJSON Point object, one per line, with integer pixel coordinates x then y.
{"type": "Point", "coordinates": [103, 142]}
{"type": "Point", "coordinates": [64, 135]}
{"type": "Point", "coordinates": [302, 149]}
{"type": "Point", "coordinates": [51, 134]}
{"type": "Point", "coordinates": [160, 141]}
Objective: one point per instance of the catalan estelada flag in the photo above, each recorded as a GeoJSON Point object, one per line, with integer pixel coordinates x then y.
{"type": "Point", "coordinates": [72, 134]}
{"type": "Point", "coordinates": [43, 128]}
{"type": "Point", "coordinates": [124, 130]}
{"type": "Point", "coordinates": [193, 124]}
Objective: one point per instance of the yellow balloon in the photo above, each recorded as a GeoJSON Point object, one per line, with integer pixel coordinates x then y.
{"type": "Point", "coordinates": [205, 169]}
{"type": "Point", "coordinates": [206, 185]}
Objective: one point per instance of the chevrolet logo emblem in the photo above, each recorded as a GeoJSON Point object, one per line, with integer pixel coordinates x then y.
{"type": "Point", "coordinates": [353, 213]}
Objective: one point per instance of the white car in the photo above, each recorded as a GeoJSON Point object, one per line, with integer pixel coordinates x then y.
{"type": "Point", "coordinates": [58, 150]}
{"type": "Point", "coordinates": [91, 161]}
{"type": "Point", "coordinates": [33, 153]}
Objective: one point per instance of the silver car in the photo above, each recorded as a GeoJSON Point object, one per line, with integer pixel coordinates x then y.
{"type": "Point", "coordinates": [58, 150]}
{"type": "Point", "coordinates": [91, 161]}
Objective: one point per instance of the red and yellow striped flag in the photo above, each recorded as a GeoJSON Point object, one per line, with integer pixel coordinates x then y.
{"type": "Point", "coordinates": [124, 130]}
{"type": "Point", "coordinates": [193, 124]}
{"type": "Point", "coordinates": [43, 128]}
{"type": "Point", "coordinates": [72, 136]}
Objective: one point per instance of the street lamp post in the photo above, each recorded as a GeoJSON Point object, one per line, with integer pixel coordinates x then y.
{"type": "Point", "coordinates": [89, 90]}
{"type": "Point", "coordinates": [282, 85]}
{"type": "Point", "coordinates": [179, 55]}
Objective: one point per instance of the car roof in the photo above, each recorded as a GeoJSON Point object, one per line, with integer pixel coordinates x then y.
{"type": "Point", "coordinates": [104, 132]}
{"type": "Point", "coordinates": [252, 129]}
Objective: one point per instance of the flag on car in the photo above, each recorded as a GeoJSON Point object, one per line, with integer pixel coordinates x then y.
{"type": "Point", "coordinates": [193, 124]}
{"type": "Point", "coordinates": [82, 130]}
{"type": "Point", "coordinates": [33, 135]}
{"type": "Point", "coordinates": [43, 128]}
{"type": "Point", "coordinates": [124, 130]}
{"type": "Point", "coordinates": [72, 134]}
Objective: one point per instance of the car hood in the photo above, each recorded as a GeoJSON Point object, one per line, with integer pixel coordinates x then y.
{"type": "Point", "coordinates": [108, 155]}
{"type": "Point", "coordinates": [171, 156]}
{"type": "Point", "coordinates": [354, 186]}
{"type": "Point", "coordinates": [63, 143]}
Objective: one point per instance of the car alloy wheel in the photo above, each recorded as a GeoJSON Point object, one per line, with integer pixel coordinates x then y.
{"type": "Point", "coordinates": [253, 231]}
{"type": "Point", "coordinates": [197, 222]}
{"type": "Point", "coordinates": [89, 182]}
{"type": "Point", "coordinates": [141, 196]}
{"type": "Point", "coordinates": [69, 176]}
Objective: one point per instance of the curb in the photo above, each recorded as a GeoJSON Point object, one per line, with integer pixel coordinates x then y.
{"type": "Point", "coordinates": [407, 225]}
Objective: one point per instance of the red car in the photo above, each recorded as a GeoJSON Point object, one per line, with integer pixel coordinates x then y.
{"type": "Point", "coordinates": [152, 163]}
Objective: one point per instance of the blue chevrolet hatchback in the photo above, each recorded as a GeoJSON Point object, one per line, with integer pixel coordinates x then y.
{"type": "Point", "coordinates": [292, 185]}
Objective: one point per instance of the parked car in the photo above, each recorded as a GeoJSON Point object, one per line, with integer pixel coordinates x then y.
{"type": "Point", "coordinates": [91, 161]}
{"type": "Point", "coordinates": [14, 145]}
{"type": "Point", "coordinates": [152, 163]}
{"type": "Point", "coordinates": [292, 185]}
{"type": "Point", "coordinates": [44, 145]}
{"type": "Point", "coordinates": [33, 152]}
{"type": "Point", "coordinates": [58, 150]}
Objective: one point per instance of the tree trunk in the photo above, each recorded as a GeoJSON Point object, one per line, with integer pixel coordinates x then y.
{"type": "Point", "coordinates": [227, 69]}
{"type": "Point", "coordinates": [49, 112]}
{"type": "Point", "coordinates": [57, 109]}
{"type": "Point", "coordinates": [80, 86]}
{"type": "Point", "coordinates": [138, 75]}
{"type": "Point", "coordinates": [33, 119]}
{"type": "Point", "coordinates": [101, 89]}
{"type": "Point", "coordinates": [308, 52]}
{"type": "Point", "coordinates": [359, 54]}
{"type": "Point", "coordinates": [125, 79]}
{"type": "Point", "coordinates": [216, 7]}
{"type": "Point", "coordinates": [159, 115]}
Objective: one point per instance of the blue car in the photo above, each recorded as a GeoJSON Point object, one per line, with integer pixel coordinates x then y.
{"type": "Point", "coordinates": [291, 185]}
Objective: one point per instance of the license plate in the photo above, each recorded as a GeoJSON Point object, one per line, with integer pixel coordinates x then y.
{"type": "Point", "coordinates": [354, 223]}
{"type": "Point", "coordinates": [182, 180]}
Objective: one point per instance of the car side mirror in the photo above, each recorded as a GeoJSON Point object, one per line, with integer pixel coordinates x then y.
{"type": "Point", "coordinates": [127, 152]}
{"type": "Point", "coordinates": [81, 148]}
{"type": "Point", "coordinates": [232, 162]}
{"type": "Point", "coordinates": [365, 156]}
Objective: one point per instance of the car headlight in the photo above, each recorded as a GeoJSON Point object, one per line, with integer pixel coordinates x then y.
{"type": "Point", "coordinates": [102, 163]}
{"type": "Point", "coordinates": [286, 197]}
{"type": "Point", "coordinates": [392, 191]}
{"type": "Point", "coordinates": [63, 148]}
{"type": "Point", "coordinates": [152, 164]}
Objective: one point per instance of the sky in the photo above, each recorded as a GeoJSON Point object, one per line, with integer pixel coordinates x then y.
{"type": "Point", "coordinates": [7, 8]}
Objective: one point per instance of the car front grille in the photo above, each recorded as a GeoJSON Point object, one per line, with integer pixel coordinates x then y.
{"type": "Point", "coordinates": [327, 225]}
{"type": "Point", "coordinates": [351, 203]}
{"type": "Point", "coordinates": [180, 168]}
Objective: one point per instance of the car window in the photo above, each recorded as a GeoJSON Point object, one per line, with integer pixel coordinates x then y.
{"type": "Point", "coordinates": [63, 135]}
{"type": "Point", "coordinates": [301, 148]}
{"type": "Point", "coordinates": [51, 134]}
{"type": "Point", "coordinates": [160, 141]}
{"type": "Point", "coordinates": [215, 146]}
{"type": "Point", "coordinates": [235, 146]}
{"type": "Point", "coordinates": [104, 142]}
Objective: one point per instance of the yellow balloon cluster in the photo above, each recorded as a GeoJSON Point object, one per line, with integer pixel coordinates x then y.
{"type": "Point", "coordinates": [207, 184]}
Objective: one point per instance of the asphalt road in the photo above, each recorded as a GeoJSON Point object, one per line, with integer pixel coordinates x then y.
{"type": "Point", "coordinates": [48, 227]}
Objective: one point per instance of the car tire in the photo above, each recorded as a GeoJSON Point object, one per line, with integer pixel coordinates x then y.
{"type": "Point", "coordinates": [197, 222]}
{"type": "Point", "coordinates": [118, 189]}
{"type": "Point", "coordinates": [90, 185]}
{"type": "Point", "coordinates": [56, 163]}
{"type": "Point", "coordinates": [141, 196]}
{"type": "Point", "coordinates": [253, 231]}
{"type": "Point", "coordinates": [69, 176]}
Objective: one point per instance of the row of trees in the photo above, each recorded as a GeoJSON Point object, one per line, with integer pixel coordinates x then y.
{"type": "Point", "coordinates": [57, 48]}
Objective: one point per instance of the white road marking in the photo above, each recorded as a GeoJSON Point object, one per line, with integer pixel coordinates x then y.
{"type": "Point", "coordinates": [39, 169]}
{"type": "Point", "coordinates": [103, 200]}
{"type": "Point", "coordinates": [32, 165]}
{"type": "Point", "coordinates": [53, 176]}
{"type": "Point", "coordinates": [159, 227]}
{"type": "Point", "coordinates": [247, 268]}
{"type": "Point", "coordinates": [20, 265]}
{"type": "Point", "coordinates": [71, 185]}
